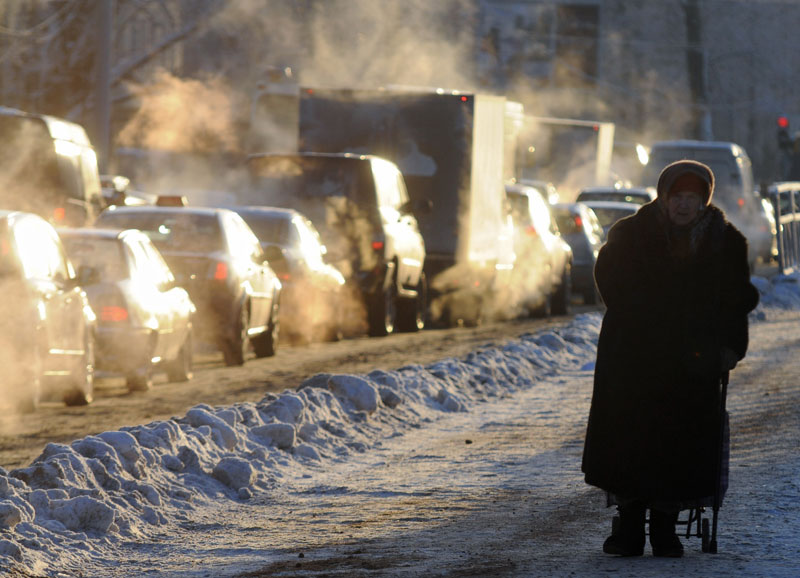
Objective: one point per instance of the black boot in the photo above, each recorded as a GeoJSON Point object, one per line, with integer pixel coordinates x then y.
{"type": "Point", "coordinates": [628, 539]}
{"type": "Point", "coordinates": [663, 539]}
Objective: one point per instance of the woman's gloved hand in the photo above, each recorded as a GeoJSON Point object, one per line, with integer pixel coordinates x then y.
{"type": "Point", "coordinates": [728, 359]}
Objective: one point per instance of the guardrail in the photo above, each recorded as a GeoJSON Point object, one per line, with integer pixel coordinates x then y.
{"type": "Point", "coordinates": [785, 197]}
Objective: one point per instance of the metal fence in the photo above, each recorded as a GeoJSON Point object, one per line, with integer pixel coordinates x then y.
{"type": "Point", "coordinates": [785, 197]}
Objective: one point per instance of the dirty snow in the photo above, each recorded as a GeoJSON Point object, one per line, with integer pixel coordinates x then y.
{"type": "Point", "coordinates": [76, 504]}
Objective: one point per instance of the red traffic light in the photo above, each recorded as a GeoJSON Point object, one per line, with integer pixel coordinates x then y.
{"type": "Point", "coordinates": [783, 122]}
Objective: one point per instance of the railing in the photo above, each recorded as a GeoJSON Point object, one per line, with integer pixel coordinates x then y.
{"type": "Point", "coordinates": [785, 197]}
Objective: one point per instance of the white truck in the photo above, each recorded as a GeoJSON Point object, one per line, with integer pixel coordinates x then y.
{"type": "Point", "coordinates": [572, 153]}
{"type": "Point", "coordinates": [449, 148]}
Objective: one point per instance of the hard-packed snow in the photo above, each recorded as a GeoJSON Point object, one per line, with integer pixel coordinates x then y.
{"type": "Point", "coordinates": [80, 501]}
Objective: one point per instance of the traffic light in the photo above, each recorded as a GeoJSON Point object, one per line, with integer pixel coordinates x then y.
{"type": "Point", "coordinates": [785, 141]}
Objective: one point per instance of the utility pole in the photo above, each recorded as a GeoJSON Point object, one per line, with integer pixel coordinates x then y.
{"type": "Point", "coordinates": [696, 69]}
{"type": "Point", "coordinates": [102, 132]}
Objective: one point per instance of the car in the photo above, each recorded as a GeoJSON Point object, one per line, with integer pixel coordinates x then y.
{"type": "Point", "coordinates": [548, 189]}
{"type": "Point", "coordinates": [144, 319]}
{"type": "Point", "coordinates": [217, 258]}
{"type": "Point", "coordinates": [45, 315]}
{"type": "Point", "coordinates": [544, 260]}
{"type": "Point", "coordinates": [311, 302]}
{"type": "Point", "coordinates": [734, 189]}
{"type": "Point", "coordinates": [48, 167]}
{"type": "Point", "coordinates": [638, 195]}
{"type": "Point", "coordinates": [609, 212]}
{"type": "Point", "coordinates": [580, 227]}
{"type": "Point", "coordinates": [361, 208]}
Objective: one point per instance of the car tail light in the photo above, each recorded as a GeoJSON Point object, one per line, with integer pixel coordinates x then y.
{"type": "Point", "coordinates": [740, 202]}
{"type": "Point", "coordinates": [578, 222]}
{"type": "Point", "coordinates": [377, 245]}
{"type": "Point", "coordinates": [113, 313]}
{"type": "Point", "coordinates": [220, 271]}
{"type": "Point", "coordinates": [58, 214]}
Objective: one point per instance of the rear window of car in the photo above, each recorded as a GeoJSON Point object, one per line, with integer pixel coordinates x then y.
{"type": "Point", "coordinates": [608, 216]}
{"type": "Point", "coordinates": [565, 221]}
{"type": "Point", "coordinates": [619, 196]}
{"type": "Point", "coordinates": [104, 255]}
{"type": "Point", "coordinates": [171, 231]}
{"type": "Point", "coordinates": [267, 228]}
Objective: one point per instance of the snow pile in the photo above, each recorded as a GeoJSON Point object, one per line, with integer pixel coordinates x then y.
{"type": "Point", "coordinates": [779, 292]}
{"type": "Point", "coordinates": [80, 500]}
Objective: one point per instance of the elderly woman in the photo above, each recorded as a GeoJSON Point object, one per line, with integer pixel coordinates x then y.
{"type": "Point", "coordinates": [676, 283]}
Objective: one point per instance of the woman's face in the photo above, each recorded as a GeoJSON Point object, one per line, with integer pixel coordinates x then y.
{"type": "Point", "coordinates": [684, 206]}
{"type": "Point", "coordinates": [686, 199]}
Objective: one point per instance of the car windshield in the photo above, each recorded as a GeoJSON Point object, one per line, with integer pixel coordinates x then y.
{"type": "Point", "coordinates": [171, 231]}
{"type": "Point", "coordinates": [103, 255]}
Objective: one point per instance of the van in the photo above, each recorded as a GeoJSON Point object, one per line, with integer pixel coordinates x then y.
{"type": "Point", "coordinates": [360, 206]}
{"type": "Point", "coordinates": [734, 190]}
{"type": "Point", "coordinates": [48, 167]}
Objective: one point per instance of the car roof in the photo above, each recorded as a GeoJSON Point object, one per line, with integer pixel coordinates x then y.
{"type": "Point", "coordinates": [100, 233]}
{"type": "Point", "coordinates": [621, 205]}
{"type": "Point", "coordinates": [731, 147]}
{"type": "Point", "coordinates": [350, 156]}
{"type": "Point", "coordinates": [276, 212]}
{"type": "Point", "coordinates": [195, 210]}
{"type": "Point", "coordinates": [650, 192]}
{"type": "Point", "coordinates": [521, 189]}
{"type": "Point", "coordinates": [13, 215]}
{"type": "Point", "coordinates": [700, 144]}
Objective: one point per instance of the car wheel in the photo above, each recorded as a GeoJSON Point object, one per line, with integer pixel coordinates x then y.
{"type": "Point", "coordinates": [30, 385]}
{"type": "Point", "coordinates": [141, 379]}
{"type": "Point", "coordinates": [82, 390]}
{"type": "Point", "coordinates": [180, 368]}
{"type": "Point", "coordinates": [411, 312]}
{"type": "Point", "coordinates": [235, 350]}
{"type": "Point", "coordinates": [562, 299]}
{"type": "Point", "coordinates": [383, 311]}
{"type": "Point", "coordinates": [266, 344]}
{"type": "Point", "coordinates": [544, 309]}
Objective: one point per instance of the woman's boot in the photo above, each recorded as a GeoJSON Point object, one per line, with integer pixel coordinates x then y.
{"type": "Point", "coordinates": [628, 539]}
{"type": "Point", "coordinates": [664, 541]}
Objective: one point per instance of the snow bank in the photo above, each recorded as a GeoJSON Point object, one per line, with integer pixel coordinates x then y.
{"type": "Point", "coordinates": [80, 500]}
